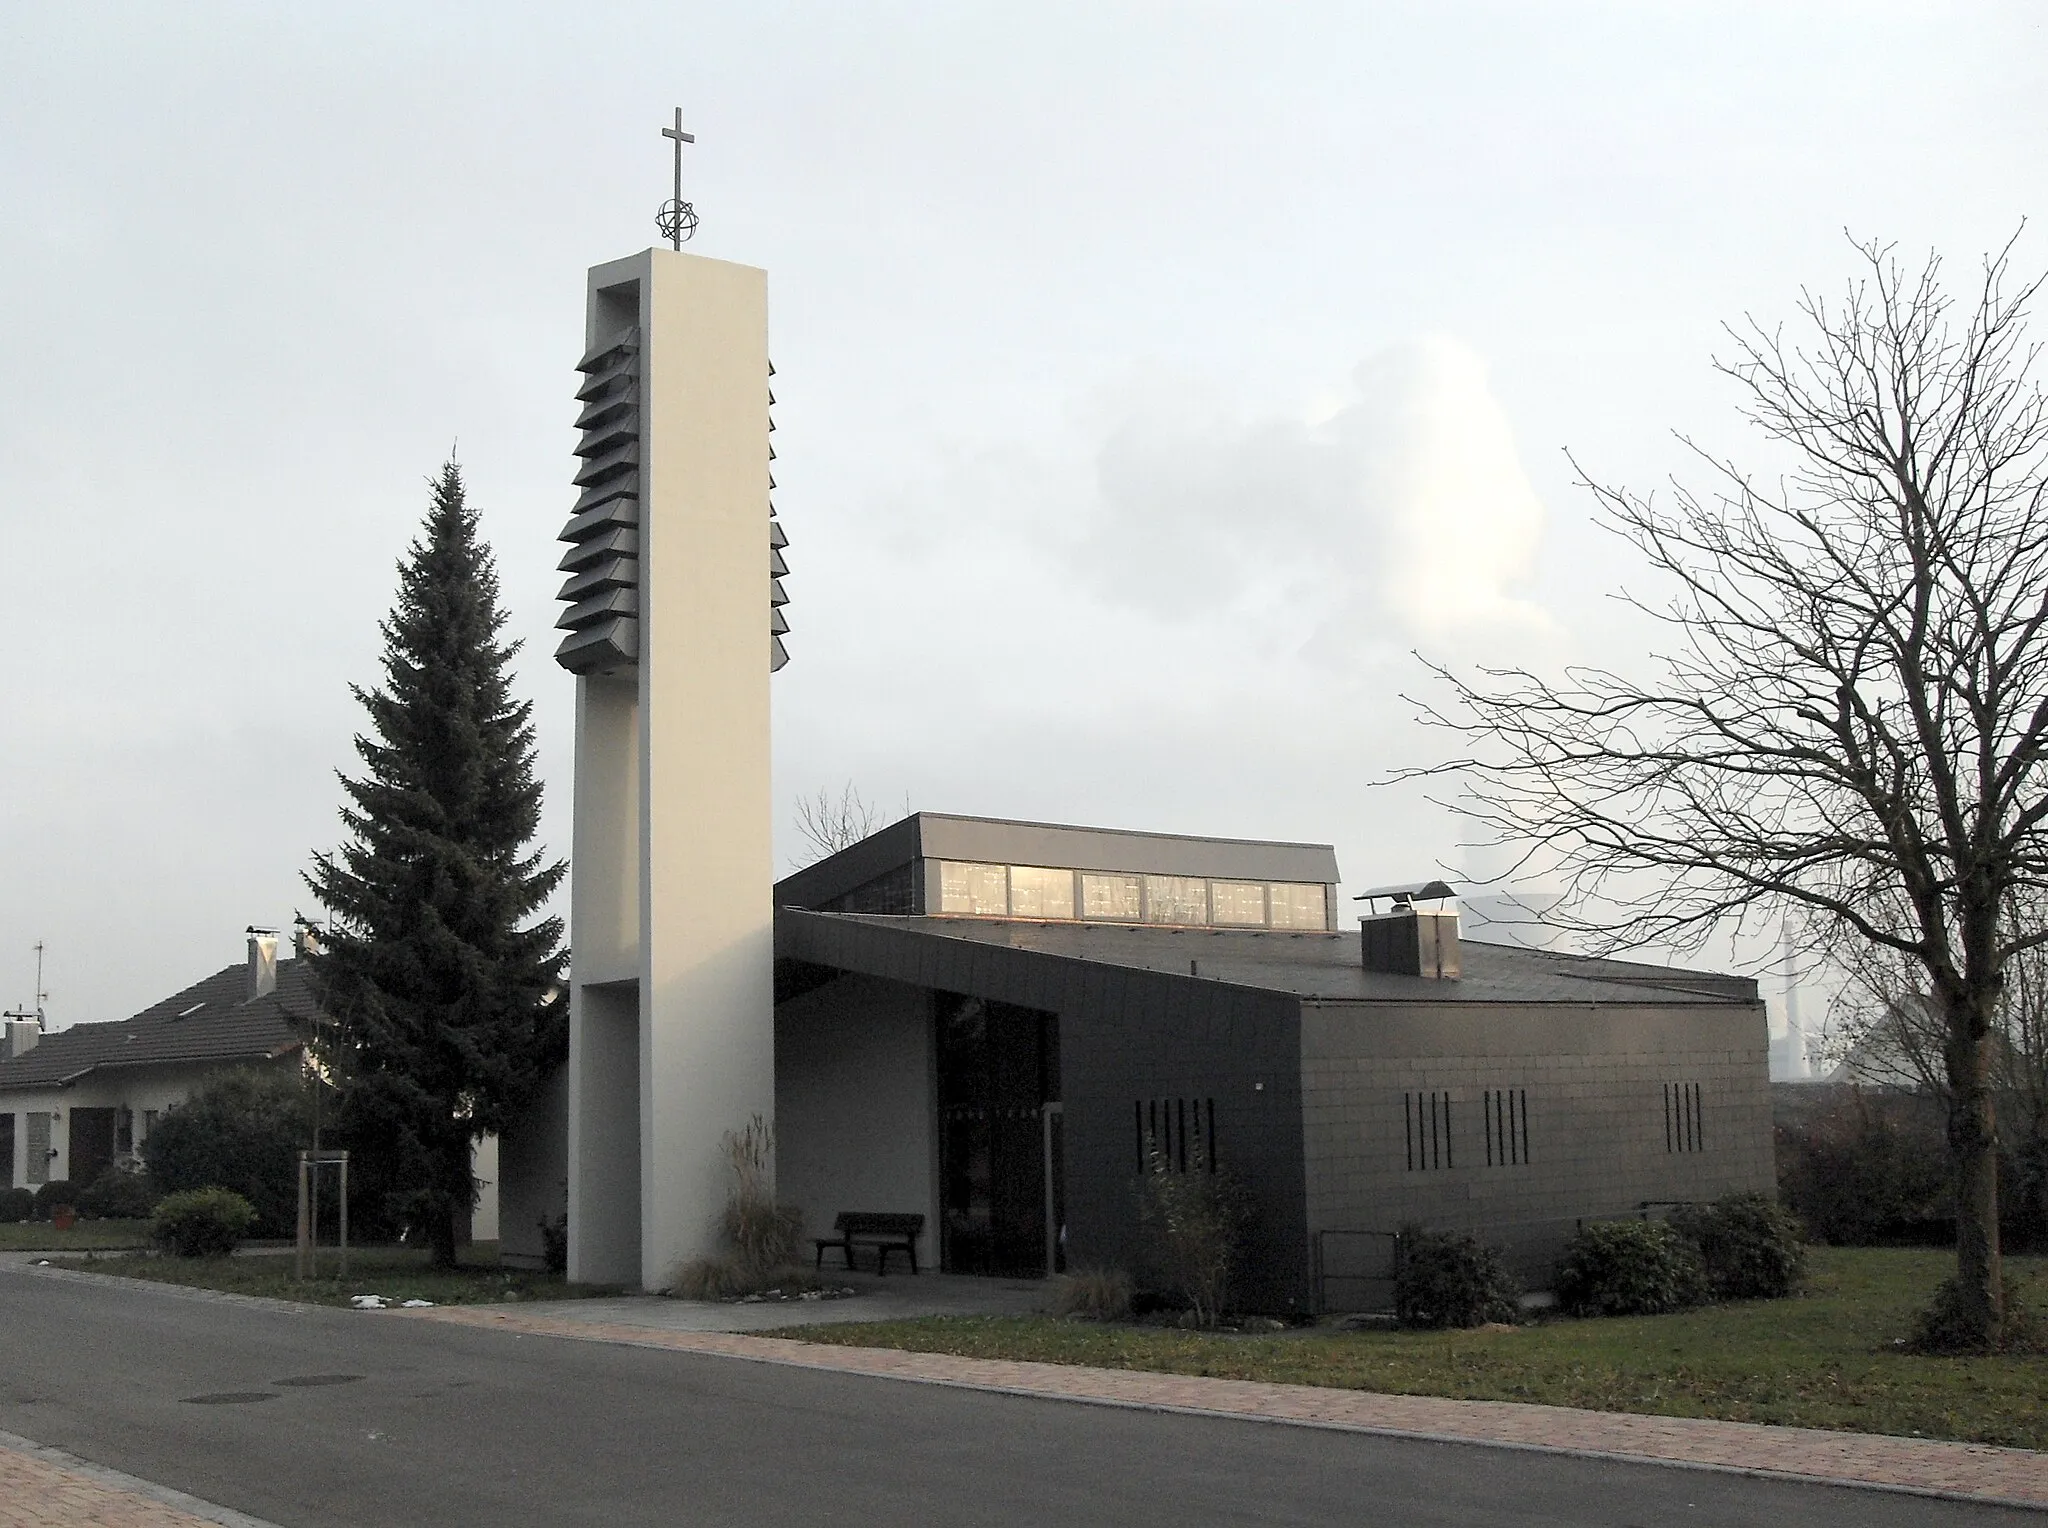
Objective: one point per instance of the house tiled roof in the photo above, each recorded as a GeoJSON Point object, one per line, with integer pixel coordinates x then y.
{"type": "Point", "coordinates": [211, 1020]}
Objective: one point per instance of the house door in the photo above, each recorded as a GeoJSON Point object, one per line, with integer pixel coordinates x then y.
{"type": "Point", "coordinates": [92, 1144]}
{"type": "Point", "coordinates": [6, 1151]}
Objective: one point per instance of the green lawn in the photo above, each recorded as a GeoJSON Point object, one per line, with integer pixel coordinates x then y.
{"type": "Point", "coordinates": [85, 1236]}
{"type": "Point", "coordinates": [1822, 1359]}
{"type": "Point", "coordinates": [397, 1273]}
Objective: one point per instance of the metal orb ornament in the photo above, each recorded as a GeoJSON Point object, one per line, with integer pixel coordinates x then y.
{"type": "Point", "coordinates": [677, 220]}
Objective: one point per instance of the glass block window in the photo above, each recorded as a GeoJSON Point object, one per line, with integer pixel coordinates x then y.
{"type": "Point", "coordinates": [1238, 902]}
{"type": "Point", "coordinates": [1176, 899]}
{"type": "Point", "coordinates": [980, 890]}
{"type": "Point", "coordinates": [1297, 906]}
{"type": "Point", "coordinates": [1036, 892]}
{"type": "Point", "coordinates": [1111, 898]}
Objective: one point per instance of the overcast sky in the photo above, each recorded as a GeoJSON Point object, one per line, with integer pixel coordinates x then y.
{"type": "Point", "coordinates": [1153, 379]}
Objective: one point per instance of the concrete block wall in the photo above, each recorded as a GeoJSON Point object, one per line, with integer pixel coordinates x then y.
{"type": "Point", "coordinates": [1594, 1080]}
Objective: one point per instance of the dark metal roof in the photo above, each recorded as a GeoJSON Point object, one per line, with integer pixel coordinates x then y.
{"type": "Point", "coordinates": [1000, 841]}
{"type": "Point", "coordinates": [211, 1020]}
{"type": "Point", "coordinates": [1305, 965]}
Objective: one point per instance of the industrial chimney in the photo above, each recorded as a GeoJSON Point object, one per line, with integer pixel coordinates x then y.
{"type": "Point", "coordinates": [262, 962]}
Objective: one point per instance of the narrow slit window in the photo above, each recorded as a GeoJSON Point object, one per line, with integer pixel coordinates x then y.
{"type": "Point", "coordinates": [1682, 1118]}
{"type": "Point", "coordinates": [1428, 1119]}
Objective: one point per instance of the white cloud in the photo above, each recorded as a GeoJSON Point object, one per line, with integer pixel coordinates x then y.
{"type": "Point", "coordinates": [1399, 514]}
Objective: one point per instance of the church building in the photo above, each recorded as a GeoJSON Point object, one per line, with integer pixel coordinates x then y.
{"type": "Point", "coordinates": [1001, 1026]}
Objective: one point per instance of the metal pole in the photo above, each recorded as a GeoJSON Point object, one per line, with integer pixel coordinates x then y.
{"type": "Point", "coordinates": [344, 1214]}
{"type": "Point", "coordinates": [305, 1227]}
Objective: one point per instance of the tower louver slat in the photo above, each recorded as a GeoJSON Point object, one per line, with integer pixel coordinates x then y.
{"type": "Point", "coordinates": [603, 560]}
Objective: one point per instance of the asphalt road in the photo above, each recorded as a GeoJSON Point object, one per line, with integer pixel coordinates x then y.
{"type": "Point", "coordinates": [439, 1424]}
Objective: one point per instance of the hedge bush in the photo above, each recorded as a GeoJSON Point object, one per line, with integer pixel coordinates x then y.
{"type": "Point", "coordinates": [202, 1222]}
{"type": "Point", "coordinates": [16, 1205]}
{"type": "Point", "coordinates": [243, 1132]}
{"type": "Point", "coordinates": [1447, 1278]}
{"type": "Point", "coordinates": [1629, 1268]}
{"type": "Point", "coordinates": [118, 1194]}
{"type": "Point", "coordinates": [57, 1191]}
{"type": "Point", "coordinates": [1750, 1246]}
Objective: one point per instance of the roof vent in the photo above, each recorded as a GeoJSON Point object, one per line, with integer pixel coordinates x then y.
{"type": "Point", "coordinates": [262, 962]}
{"type": "Point", "coordinates": [1406, 942]}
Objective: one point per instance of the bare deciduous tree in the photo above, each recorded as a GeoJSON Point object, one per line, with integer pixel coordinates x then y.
{"type": "Point", "coordinates": [1851, 717]}
{"type": "Point", "coordinates": [829, 823]}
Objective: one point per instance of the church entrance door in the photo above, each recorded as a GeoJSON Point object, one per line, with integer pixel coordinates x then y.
{"type": "Point", "coordinates": [998, 1069]}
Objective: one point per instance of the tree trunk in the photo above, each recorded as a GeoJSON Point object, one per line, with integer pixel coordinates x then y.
{"type": "Point", "coordinates": [1973, 1148]}
{"type": "Point", "coordinates": [457, 1198]}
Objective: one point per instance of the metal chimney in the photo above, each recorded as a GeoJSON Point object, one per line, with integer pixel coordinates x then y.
{"type": "Point", "coordinates": [262, 962]}
{"type": "Point", "coordinates": [1408, 942]}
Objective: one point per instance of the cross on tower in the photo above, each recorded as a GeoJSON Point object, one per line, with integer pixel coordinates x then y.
{"type": "Point", "coordinates": [677, 220]}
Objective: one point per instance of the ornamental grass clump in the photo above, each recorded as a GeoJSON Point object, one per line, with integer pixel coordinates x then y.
{"type": "Point", "coordinates": [762, 1233]}
{"type": "Point", "coordinates": [1450, 1279]}
{"type": "Point", "coordinates": [201, 1222]}
{"type": "Point", "coordinates": [1093, 1294]}
{"type": "Point", "coordinates": [1629, 1268]}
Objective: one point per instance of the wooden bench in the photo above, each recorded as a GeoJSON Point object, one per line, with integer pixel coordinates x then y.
{"type": "Point", "coordinates": [885, 1232]}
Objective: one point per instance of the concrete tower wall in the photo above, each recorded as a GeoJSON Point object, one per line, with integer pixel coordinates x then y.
{"type": "Point", "coordinates": [672, 1019]}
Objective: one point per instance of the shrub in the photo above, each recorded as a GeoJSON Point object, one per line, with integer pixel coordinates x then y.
{"type": "Point", "coordinates": [1867, 1169]}
{"type": "Point", "coordinates": [1749, 1246]}
{"type": "Point", "coordinates": [1629, 1268]}
{"type": "Point", "coordinates": [118, 1194]}
{"type": "Point", "coordinates": [554, 1243]}
{"type": "Point", "coordinates": [201, 1222]}
{"type": "Point", "coordinates": [1093, 1294]}
{"type": "Point", "coordinates": [16, 1205]}
{"type": "Point", "coordinates": [1943, 1328]}
{"type": "Point", "coordinates": [244, 1132]}
{"type": "Point", "coordinates": [1447, 1278]}
{"type": "Point", "coordinates": [57, 1191]}
{"type": "Point", "coordinates": [1192, 1222]}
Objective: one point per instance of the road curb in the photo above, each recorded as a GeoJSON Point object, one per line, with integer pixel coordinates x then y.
{"type": "Point", "coordinates": [114, 1480]}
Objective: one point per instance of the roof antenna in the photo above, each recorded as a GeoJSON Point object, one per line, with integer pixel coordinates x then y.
{"type": "Point", "coordinates": [42, 997]}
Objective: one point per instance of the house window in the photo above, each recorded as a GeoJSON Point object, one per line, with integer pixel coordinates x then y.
{"type": "Point", "coordinates": [1506, 1112]}
{"type": "Point", "coordinates": [1428, 1117]}
{"type": "Point", "coordinates": [1111, 897]}
{"type": "Point", "coordinates": [1682, 1117]}
{"type": "Point", "coordinates": [1297, 906]}
{"type": "Point", "coordinates": [148, 1123]}
{"type": "Point", "coordinates": [980, 891]}
{"type": "Point", "coordinates": [1180, 1133]}
{"type": "Point", "coordinates": [124, 1131]}
{"type": "Point", "coordinates": [1036, 892]}
{"type": "Point", "coordinates": [1176, 899]}
{"type": "Point", "coordinates": [1238, 902]}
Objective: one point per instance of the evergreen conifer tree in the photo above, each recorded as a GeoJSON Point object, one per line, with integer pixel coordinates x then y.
{"type": "Point", "coordinates": [441, 985]}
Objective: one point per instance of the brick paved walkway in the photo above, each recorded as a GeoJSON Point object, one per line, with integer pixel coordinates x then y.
{"type": "Point", "coordinates": [1971, 1472]}
{"type": "Point", "coordinates": [38, 1491]}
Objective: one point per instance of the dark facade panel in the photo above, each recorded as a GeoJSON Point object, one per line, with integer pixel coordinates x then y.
{"type": "Point", "coordinates": [1126, 1037]}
